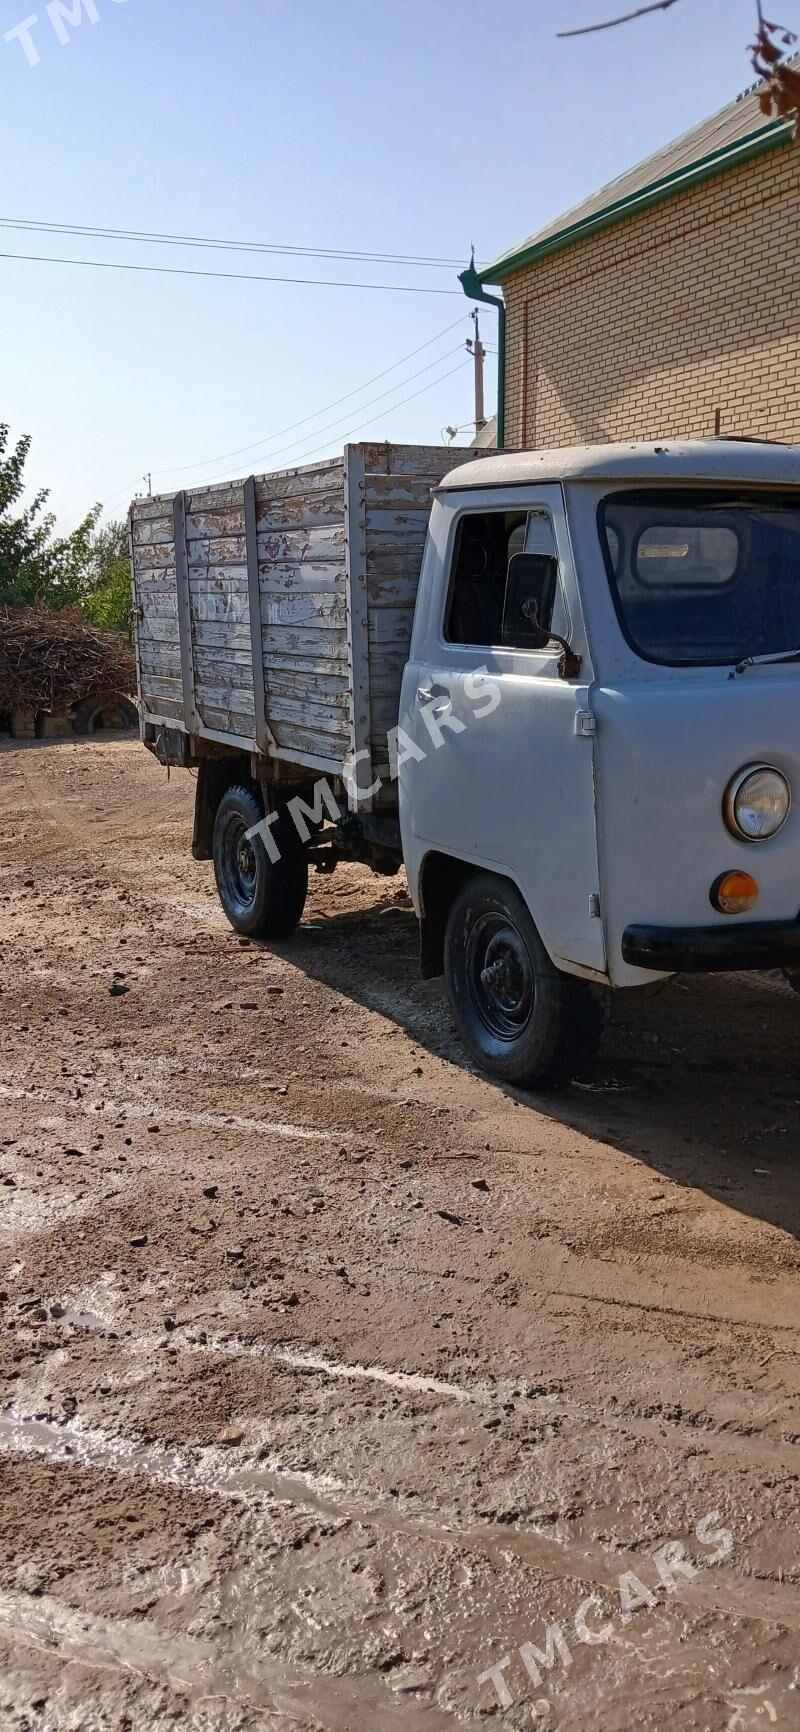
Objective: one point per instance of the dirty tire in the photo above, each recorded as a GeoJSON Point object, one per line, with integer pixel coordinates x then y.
{"type": "Point", "coordinates": [261, 898]}
{"type": "Point", "coordinates": [519, 1017]}
{"type": "Point", "coordinates": [90, 711]}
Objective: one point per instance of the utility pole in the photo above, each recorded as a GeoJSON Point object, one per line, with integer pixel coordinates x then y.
{"type": "Point", "coordinates": [149, 479]}
{"type": "Point", "coordinates": [478, 353]}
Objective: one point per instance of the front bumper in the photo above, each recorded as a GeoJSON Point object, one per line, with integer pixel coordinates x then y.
{"type": "Point", "coordinates": [713, 949]}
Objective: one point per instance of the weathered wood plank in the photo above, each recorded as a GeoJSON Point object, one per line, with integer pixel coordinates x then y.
{"type": "Point", "coordinates": [331, 751]}
{"type": "Point", "coordinates": [227, 721]}
{"type": "Point", "coordinates": [299, 546]}
{"type": "Point", "coordinates": [216, 550]}
{"type": "Point", "coordinates": [152, 531]}
{"type": "Point", "coordinates": [330, 688]}
{"type": "Point", "coordinates": [314, 718]}
{"type": "Point", "coordinates": [206, 657]}
{"type": "Point", "coordinates": [219, 690]}
{"type": "Point", "coordinates": [295, 579]}
{"type": "Point", "coordinates": [309, 608]}
{"type": "Point", "coordinates": [231, 607]}
{"type": "Point", "coordinates": [303, 640]}
{"type": "Point", "coordinates": [223, 634]}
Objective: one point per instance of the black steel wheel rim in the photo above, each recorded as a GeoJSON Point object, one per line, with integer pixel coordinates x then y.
{"type": "Point", "coordinates": [239, 867]}
{"type": "Point", "coordinates": [499, 976]}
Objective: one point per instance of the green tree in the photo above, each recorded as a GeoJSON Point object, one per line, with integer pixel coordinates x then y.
{"type": "Point", "coordinates": [106, 594]}
{"type": "Point", "coordinates": [37, 568]}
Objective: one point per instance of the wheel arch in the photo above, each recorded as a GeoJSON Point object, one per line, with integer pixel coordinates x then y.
{"type": "Point", "coordinates": [440, 879]}
{"type": "Point", "coordinates": [214, 777]}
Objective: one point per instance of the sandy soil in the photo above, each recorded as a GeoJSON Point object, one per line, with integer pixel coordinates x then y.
{"type": "Point", "coordinates": [334, 1373]}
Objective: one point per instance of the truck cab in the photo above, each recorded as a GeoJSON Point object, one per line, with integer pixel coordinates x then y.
{"type": "Point", "coordinates": [599, 740]}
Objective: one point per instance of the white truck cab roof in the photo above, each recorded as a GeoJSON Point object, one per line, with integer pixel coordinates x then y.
{"type": "Point", "coordinates": [758, 463]}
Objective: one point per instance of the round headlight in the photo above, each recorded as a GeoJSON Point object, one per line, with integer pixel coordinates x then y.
{"type": "Point", "coordinates": [756, 803]}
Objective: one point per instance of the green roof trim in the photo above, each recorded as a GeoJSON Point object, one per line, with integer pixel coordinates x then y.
{"type": "Point", "coordinates": [766, 138]}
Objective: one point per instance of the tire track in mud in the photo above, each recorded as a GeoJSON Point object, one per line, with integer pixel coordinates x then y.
{"type": "Point", "coordinates": [207, 1669]}
{"type": "Point", "coordinates": [206, 1472]}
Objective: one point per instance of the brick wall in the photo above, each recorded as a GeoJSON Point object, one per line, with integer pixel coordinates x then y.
{"type": "Point", "coordinates": [644, 330]}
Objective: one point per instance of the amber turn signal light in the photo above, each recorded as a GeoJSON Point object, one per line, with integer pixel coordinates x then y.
{"type": "Point", "coordinates": [734, 893]}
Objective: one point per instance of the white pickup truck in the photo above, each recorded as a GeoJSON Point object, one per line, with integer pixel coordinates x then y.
{"type": "Point", "coordinates": [559, 687]}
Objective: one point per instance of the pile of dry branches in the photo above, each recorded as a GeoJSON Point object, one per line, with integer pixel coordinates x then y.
{"type": "Point", "coordinates": [49, 660]}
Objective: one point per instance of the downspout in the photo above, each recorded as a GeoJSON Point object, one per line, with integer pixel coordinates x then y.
{"type": "Point", "coordinates": [474, 290]}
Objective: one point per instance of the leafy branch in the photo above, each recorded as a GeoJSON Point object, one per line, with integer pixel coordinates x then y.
{"type": "Point", "coordinates": [781, 82]}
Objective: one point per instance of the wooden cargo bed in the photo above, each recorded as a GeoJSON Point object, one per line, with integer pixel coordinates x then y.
{"type": "Point", "coordinates": [274, 614]}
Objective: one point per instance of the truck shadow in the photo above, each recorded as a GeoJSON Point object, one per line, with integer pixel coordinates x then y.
{"type": "Point", "coordinates": [700, 1082]}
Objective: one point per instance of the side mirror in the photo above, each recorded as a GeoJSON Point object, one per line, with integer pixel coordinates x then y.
{"type": "Point", "coordinates": [530, 595]}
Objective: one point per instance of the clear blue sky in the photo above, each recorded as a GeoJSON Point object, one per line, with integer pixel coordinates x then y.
{"type": "Point", "coordinates": [412, 126]}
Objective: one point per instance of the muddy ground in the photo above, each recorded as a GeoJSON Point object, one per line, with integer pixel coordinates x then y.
{"type": "Point", "coordinates": [334, 1373]}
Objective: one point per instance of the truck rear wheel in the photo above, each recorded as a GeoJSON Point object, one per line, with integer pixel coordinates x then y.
{"type": "Point", "coordinates": [262, 898]}
{"type": "Point", "coordinates": [519, 1017]}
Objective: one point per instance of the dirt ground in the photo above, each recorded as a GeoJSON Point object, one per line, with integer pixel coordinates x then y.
{"type": "Point", "coordinates": [333, 1373]}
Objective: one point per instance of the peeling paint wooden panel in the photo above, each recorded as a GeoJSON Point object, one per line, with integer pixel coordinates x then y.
{"type": "Point", "coordinates": [393, 562]}
{"type": "Point", "coordinates": [329, 687]}
{"type": "Point", "coordinates": [316, 511]}
{"type": "Point", "coordinates": [227, 721]}
{"type": "Point", "coordinates": [310, 609]}
{"type": "Point", "coordinates": [145, 510]}
{"type": "Point", "coordinates": [314, 718]}
{"type": "Point", "coordinates": [153, 531]}
{"type": "Point", "coordinates": [224, 654]}
{"type": "Point", "coordinates": [159, 658]}
{"type": "Point", "coordinates": [157, 603]}
{"type": "Point", "coordinates": [163, 685]}
{"type": "Point", "coordinates": [295, 579]}
{"type": "Point", "coordinates": [292, 639]}
{"type": "Point", "coordinates": [319, 746]}
{"type": "Point", "coordinates": [226, 497]}
{"type": "Point", "coordinates": [400, 492]}
{"type": "Point", "coordinates": [161, 643]}
{"type": "Point", "coordinates": [216, 692]}
{"type": "Point", "coordinates": [216, 550]}
{"type": "Point", "coordinates": [231, 607]}
{"type": "Point", "coordinates": [288, 664]}
{"type": "Point", "coordinates": [226, 634]}
{"type": "Point", "coordinates": [298, 482]}
{"type": "Point", "coordinates": [224, 578]}
{"type": "Point", "coordinates": [393, 591]}
{"type": "Point", "coordinates": [411, 524]}
{"type": "Point", "coordinates": [390, 627]}
{"type": "Point", "coordinates": [156, 583]}
{"type": "Point", "coordinates": [154, 574]}
{"type": "Point", "coordinates": [433, 460]}
{"type": "Point", "coordinates": [156, 556]}
{"type": "Point", "coordinates": [298, 546]}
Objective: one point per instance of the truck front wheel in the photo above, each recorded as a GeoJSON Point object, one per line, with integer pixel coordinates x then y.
{"type": "Point", "coordinates": [262, 898]}
{"type": "Point", "coordinates": [519, 1017]}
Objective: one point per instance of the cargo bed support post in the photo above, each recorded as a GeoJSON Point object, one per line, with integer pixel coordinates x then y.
{"type": "Point", "coordinates": [184, 613]}
{"type": "Point", "coordinates": [264, 736]}
{"type": "Point", "coordinates": [355, 514]}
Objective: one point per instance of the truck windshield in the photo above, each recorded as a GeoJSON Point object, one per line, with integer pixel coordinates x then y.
{"type": "Point", "coordinates": [704, 578]}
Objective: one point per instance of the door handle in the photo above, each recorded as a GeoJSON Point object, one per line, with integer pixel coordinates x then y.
{"type": "Point", "coordinates": [429, 694]}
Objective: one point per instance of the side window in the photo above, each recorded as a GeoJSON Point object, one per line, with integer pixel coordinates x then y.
{"type": "Point", "coordinates": [487, 580]}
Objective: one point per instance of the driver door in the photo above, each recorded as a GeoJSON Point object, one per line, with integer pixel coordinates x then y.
{"type": "Point", "coordinates": [492, 763]}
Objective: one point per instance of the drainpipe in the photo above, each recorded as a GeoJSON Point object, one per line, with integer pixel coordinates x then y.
{"type": "Point", "coordinates": [475, 291]}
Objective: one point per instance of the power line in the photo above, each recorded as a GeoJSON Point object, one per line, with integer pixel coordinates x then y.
{"type": "Point", "coordinates": [226, 276]}
{"type": "Point", "coordinates": [344, 437]}
{"type": "Point", "coordinates": [154, 238]}
{"type": "Point", "coordinates": [368, 405]}
{"type": "Point", "coordinates": [241, 450]}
